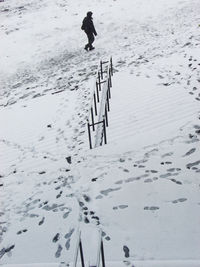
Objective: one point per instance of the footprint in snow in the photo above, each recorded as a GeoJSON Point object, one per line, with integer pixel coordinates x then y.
{"type": "Point", "coordinates": [141, 166]}
{"type": "Point", "coordinates": [42, 172]}
{"type": "Point", "coordinates": [86, 198]}
{"type": "Point", "coordinates": [66, 214]}
{"type": "Point", "coordinates": [56, 238]}
{"type": "Point", "coordinates": [166, 162]}
{"type": "Point", "coordinates": [126, 251]}
{"type": "Point", "coordinates": [166, 175]}
{"type": "Point", "coordinates": [173, 169]}
{"type": "Point", "coordinates": [190, 165]}
{"type": "Point", "coordinates": [22, 231]}
{"type": "Point", "coordinates": [99, 197]}
{"type": "Point", "coordinates": [119, 182]}
{"type": "Point", "coordinates": [179, 200]}
{"type": "Point", "coordinates": [53, 207]}
{"type": "Point", "coordinates": [32, 215]}
{"type": "Point", "coordinates": [6, 250]}
{"type": "Point", "coordinates": [109, 190]}
{"type": "Point", "coordinates": [191, 151]}
{"type": "Point", "coordinates": [175, 181]}
{"type": "Point", "coordinates": [120, 207]}
{"type": "Point", "coordinates": [58, 252]}
{"type": "Point", "coordinates": [153, 171]}
{"type": "Point", "coordinates": [86, 220]}
{"type": "Point", "coordinates": [148, 181]}
{"type": "Point", "coordinates": [59, 195]}
{"type": "Point", "coordinates": [69, 234]}
{"type": "Point", "coordinates": [131, 179]}
{"type": "Point", "coordinates": [124, 170]}
{"type": "Point", "coordinates": [42, 221]}
{"type": "Point", "coordinates": [152, 208]}
{"type": "Point", "coordinates": [67, 244]}
{"type": "Point", "coordinates": [150, 153]}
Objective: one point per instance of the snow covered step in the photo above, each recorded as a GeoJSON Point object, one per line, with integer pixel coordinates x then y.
{"type": "Point", "coordinates": [33, 265]}
{"type": "Point", "coordinates": [116, 264]}
{"type": "Point", "coordinates": [175, 263]}
{"type": "Point", "coordinates": [140, 105]}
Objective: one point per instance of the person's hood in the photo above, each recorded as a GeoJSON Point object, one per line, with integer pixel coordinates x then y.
{"type": "Point", "coordinates": [89, 14]}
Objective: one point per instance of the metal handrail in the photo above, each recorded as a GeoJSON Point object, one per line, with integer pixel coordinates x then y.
{"type": "Point", "coordinates": [99, 70]}
{"type": "Point", "coordinates": [76, 249]}
{"type": "Point", "coordinates": [101, 117]}
{"type": "Point", "coordinates": [78, 246]}
{"type": "Point", "coordinates": [104, 106]}
{"type": "Point", "coordinates": [100, 251]}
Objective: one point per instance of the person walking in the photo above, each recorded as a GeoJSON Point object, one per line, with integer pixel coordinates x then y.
{"type": "Point", "coordinates": [89, 29]}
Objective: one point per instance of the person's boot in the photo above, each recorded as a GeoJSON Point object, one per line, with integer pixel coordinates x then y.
{"type": "Point", "coordinates": [92, 47]}
{"type": "Point", "coordinates": [86, 47]}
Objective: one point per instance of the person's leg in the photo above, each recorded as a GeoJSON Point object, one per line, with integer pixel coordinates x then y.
{"type": "Point", "coordinates": [90, 40]}
{"type": "Point", "coordinates": [87, 45]}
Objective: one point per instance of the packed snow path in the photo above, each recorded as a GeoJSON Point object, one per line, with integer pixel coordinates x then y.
{"type": "Point", "coordinates": [51, 183]}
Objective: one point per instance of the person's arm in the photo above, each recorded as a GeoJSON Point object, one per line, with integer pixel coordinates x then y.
{"type": "Point", "coordinates": [94, 31]}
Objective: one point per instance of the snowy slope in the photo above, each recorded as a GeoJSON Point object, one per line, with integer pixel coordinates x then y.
{"type": "Point", "coordinates": [142, 189]}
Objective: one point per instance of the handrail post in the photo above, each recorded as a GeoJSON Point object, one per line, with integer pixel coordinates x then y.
{"type": "Point", "coordinates": [102, 254]}
{"type": "Point", "coordinates": [97, 89]}
{"type": "Point", "coordinates": [106, 115]}
{"type": "Point", "coordinates": [99, 81]}
{"type": "Point", "coordinates": [95, 104]}
{"type": "Point", "coordinates": [109, 93]}
{"type": "Point", "coordinates": [111, 65]}
{"type": "Point", "coordinates": [92, 115]}
{"type": "Point", "coordinates": [108, 102]}
{"type": "Point", "coordinates": [101, 67]}
{"type": "Point", "coordinates": [89, 135]}
{"type": "Point", "coordinates": [110, 77]}
{"type": "Point", "coordinates": [76, 252]}
{"type": "Point", "coordinates": [104, 130]}
{"type": "Point", "coordinates": [81, 253]}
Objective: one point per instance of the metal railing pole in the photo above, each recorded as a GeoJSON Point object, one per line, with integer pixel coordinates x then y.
{"type": "Point", "coordinates": [99, 81]}
{"type": "Point", "coordinates": [108, 102]}
{"type": "Point", "coordinates": [109, 93]}
{"type": "Point", "coordinates": [81, 253]}
{"type": "Point", "coordinates": [104, 130]}
{"type": "Point", "coordinates": [97, 89]}
{"type": "Point", "coordinates": [111, 65]}
{"type": "Point", "coordinates": [101, 67]}
{"type": "Point", "coordinates": [106, 115]}
{"type": "Point", "coordinates": [92, 115]}
{"type": "Point", "coordinates": [102, 254]}
{"type": "Point", "coordinates": [95, 104]}
{"type": "Point", "coordinates": [110, 77]}
{"type": "Point", "coordinates": [89, 135]}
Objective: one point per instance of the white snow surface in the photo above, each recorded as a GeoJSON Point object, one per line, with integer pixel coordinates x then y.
{"type": "Point", "coordinates": [142, 189]}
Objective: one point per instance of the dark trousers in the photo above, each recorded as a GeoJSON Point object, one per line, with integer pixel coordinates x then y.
{"type": "Point", "coordinates": [90, 37]}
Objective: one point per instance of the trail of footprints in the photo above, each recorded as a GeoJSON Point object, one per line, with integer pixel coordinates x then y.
{"type": "Point", "coordinates": [26, 210]}
{"type": "Point", "coordinates": [89, 216]}
{"type": "Point", "coordinates": [66, 239]}
{"type": "Point", "coordinates": [194, 80]}
{"type": "Point", "coordinates": [169, 172]}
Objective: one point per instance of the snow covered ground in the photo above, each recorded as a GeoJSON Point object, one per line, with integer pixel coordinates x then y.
{"type": "Point", "coordinates": [142, 189]}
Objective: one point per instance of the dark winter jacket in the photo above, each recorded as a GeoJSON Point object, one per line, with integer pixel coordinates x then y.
{"type": "Point", "coordinates": [88, 25]}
